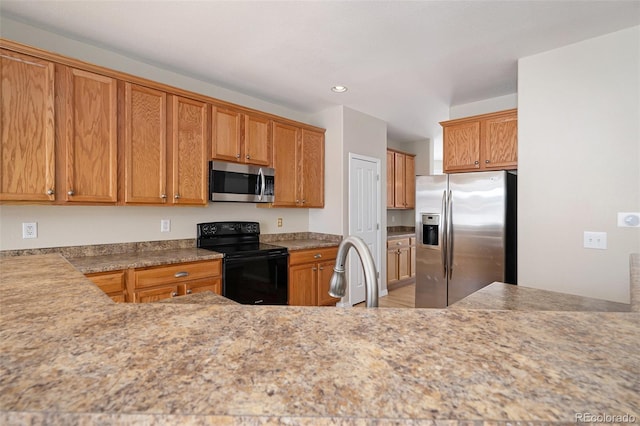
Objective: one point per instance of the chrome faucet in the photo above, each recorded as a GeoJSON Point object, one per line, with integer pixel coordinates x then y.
{"type": "Point", "coordinates": [338, 283]}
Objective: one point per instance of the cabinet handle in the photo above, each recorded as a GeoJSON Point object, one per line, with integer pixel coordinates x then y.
{"type": "Point", "coordinates": [71, 192]}
{"type": "Point", "coordinates": [181, 274]}
{"type": "Point", "coordinates": [163, 196]}
{"type": "Point", "coordinates": [177, 196]}
{"type": "Point", "coordinates": [476, 162]}
{"type": "Point", "coordinates": [317, 256]}
{"type": "Point", "coordinates": [304, 201]}
{"type": "Point", "coordinates": [50, 192]}
{"type": "Point", "coordinates": [487, 161]}
{"type": "Point", "coordinates": [297, 201]}
{"type": "Point", "coordinates": [174, 294]}
{"type": "Point", "coordinates": [189, 291]}
{"type": "Point", "coordinates": [314, 269]}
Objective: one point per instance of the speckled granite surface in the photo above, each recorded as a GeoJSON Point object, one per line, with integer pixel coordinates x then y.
{"type": "Point", "coordinates": [400, 231]}
{"type": "Point", "coordinates": [70, 355]}
{"type": "Point", "coordinates": [515, 297]}
{"type": "Point", "coordinates": [202, 298]}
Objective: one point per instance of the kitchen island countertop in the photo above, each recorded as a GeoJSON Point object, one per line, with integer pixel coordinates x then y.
{"type": "Point", "coordinates": [70, 355]}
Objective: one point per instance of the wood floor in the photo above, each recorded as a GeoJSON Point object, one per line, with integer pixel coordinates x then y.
{"type": "Point", "coordinates": [402, 297]}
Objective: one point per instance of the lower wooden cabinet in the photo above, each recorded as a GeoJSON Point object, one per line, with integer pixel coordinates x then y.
{"type": "Point", "coordinates": [400, 260]}
{"type": "Point", "coordinates": [309, 275]}
{"type": "Point", "coordinates": [112, 283]}
{"type": "Point", "coordinates": [155, 283]}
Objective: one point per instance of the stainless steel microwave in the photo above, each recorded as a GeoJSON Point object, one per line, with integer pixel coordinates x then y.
{"type": "Point", "coordinates": [242, 183]}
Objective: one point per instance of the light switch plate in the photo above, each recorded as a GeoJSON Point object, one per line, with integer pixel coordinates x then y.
{"type": "Point", "coordinates": [595, 240]}
{"type": "Point", "coordinates": [165, 225]}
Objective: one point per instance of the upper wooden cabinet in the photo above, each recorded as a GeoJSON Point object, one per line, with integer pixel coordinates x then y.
{"type": "Point", "coordinates": [481, 142]}
{"type": "Point", "coordinates": [401, 180]}
{"type": "Point", "coordinates": [160, 169]}
{"type": "Point", "coordinates": [27, 155]}
{"type": "Point", "coordinates": [298, 159]}
{"type": "Point", "coordinates": [86, 129]}
{"type": "Point", "coordinates": [241, 137]}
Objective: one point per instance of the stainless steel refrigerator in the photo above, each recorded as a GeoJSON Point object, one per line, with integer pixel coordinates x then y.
{"type": "Point", "coordinates": [466, 234]}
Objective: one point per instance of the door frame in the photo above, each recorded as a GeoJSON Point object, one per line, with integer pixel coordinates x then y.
{"type": "Point", "coordinates": [382, 289]}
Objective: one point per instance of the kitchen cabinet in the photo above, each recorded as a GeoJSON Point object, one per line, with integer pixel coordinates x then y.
{"type": "Point", "coordinates": [241, 137]}
{"type": "Point", "coordinates": [482, 142]}
{"type": "Point", "coordinates": [309, 275]}
{"type": "Point", "coordinates": [298, 160]}
{"type": "Point", "coordinates": [112, 283]}
{"type": "Point", "coordinates": [400, 261]}
{"type": "Point", "coordinates": [160, 169]}
{"type": "Point", "coordinates": [27, 155]}
{"type": "Point", "coordinates": [86, 131]}
{"type": "Point", "coordinates": [401, 180]}
{"type": "Point", "coordinates": [160, 282]}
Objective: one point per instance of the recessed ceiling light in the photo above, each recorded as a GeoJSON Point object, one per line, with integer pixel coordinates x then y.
{"type": "Point", "coordinates": [339, 89]}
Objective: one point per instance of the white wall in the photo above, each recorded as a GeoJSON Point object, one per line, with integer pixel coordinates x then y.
{"type": "Point", "coordinates": [579, 164]}
{"type": "Point", "coordinates": [72, 225]}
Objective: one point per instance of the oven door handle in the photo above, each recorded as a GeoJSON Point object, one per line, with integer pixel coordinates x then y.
{"type": "Point", "coordinates": [244, 259]}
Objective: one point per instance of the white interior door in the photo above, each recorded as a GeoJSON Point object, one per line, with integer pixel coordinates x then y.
{"type": "Point", "coordinates": [364, 212]}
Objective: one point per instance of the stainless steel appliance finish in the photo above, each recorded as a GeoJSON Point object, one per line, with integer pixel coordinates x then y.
{"type": "Point", "coordinates": [466, 233]}
{"type": "Point", "coordinates": [338, 283]}
{"type": "Point", "coordinates": [241, 182]}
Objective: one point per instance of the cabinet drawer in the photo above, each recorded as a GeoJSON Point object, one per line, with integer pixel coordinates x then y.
{"type": "Point", "coordinates": [310, 256]}
{"type": "Point", "coordinates": [109, 282]}
{"type": "Point", "coordinates": [398, 243]}
{"type": "Point", "coordinates": [178, 273]}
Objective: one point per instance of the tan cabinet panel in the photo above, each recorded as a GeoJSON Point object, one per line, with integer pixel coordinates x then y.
{"type": "Point", "coordinates": [226, 143]}
{"type": "Point", "coordinates": [302, 285]}
{"type": "Point", "coordinates": [312, 173]}
{"type": "Point", "coordinates": [112, 283]}
{"type": "Point", "coordinates": [205, 284]}
{"type": "Point", "coordinates": [257, 140]}
{"type": "Point", "coordinates": [501, 142]}
{"type": "Point", "coordinates": [391, 174]}
{"type": "Point", "coordinates": [27, 154]}
{"type": "Point", "coordinates": [401, 184]}
{"type": "Point", "coordinates": [309, 276]}
{"type": "Point", "coordinates": [285, 163]}
{"type": "Point", "coordinates": [461, 148]}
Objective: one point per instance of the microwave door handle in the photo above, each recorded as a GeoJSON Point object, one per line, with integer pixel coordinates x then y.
{"type": "Point", "coordinates": [262, 183]}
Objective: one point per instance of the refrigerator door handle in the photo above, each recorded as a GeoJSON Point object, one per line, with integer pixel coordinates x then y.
{"type": "Point", "coordinates": [450, 234]}
{"type": "Point", "coordinates": [443, 249]}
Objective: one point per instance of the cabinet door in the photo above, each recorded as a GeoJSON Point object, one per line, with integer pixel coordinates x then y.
{"type": "Point", "coordinates": [391, 179]}
{"type": "Point", "coordinates": [302, 285]}
{"type": "Point", "coordinates": [312, 181]}
{"type": "Point", "coordinates": [155, 294]}
{"type": "Point", "coordinates": [501, 142]}
{"type": "Point", "coordinates": [461, 146]}
{"type": "Point", "coordinates": [257, 140]}
{"type": "Point", "coordinates": [412, 257]}
{"type": "Point", "coordinates": [145, 145]}
{"type": "Point", "coordinates": [285, 163]}
{"type": "Point", "coordinates": [112, 283]}
{"type": "Point", "coordinates": [27, 154]}
{"type": "Point", "coordinates": [409, 181]}
{"type": "Point", "coordinates": [404, 263]}
{"type": "Point", "coordinates": [87, 133]}
{"type": "Point", "coordinates": [198, 286]}
{"type": "Point", "coordinates": [392, 265]}
{"type": "Point", "coordinates": [226, 143]}
{"type": "Point", "coordinates": [325, 271]}
{"type": "Point", "coordinates": [399, 169]}
{"type": "Point", "coordinates": [188, 153]}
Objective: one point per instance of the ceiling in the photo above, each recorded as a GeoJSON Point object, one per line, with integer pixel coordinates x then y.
{"type": "Point", "coordinates": [403, 62]}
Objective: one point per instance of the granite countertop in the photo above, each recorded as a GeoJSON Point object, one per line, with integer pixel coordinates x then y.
{"type": "Point", "coordinates": [71, 355]}
{"type": "Point", "coordinates": [202, 298]}
{"type": "Point", "coordinates": [305, 244]}
{"type": "Point", "coordinates": [400, 234]}
{"type": "Point", "coordinates": [516, 297]}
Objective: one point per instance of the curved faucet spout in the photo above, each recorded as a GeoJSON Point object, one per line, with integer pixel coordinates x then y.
{"type": "Point", "coordinates": [338, 283]}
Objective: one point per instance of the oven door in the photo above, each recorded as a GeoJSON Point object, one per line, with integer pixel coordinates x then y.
{"type": "Point", "coordinates": [256, 280]}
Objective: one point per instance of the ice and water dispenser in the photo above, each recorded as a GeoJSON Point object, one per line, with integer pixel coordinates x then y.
{"type": "Point", "coordinates": [430, 227]}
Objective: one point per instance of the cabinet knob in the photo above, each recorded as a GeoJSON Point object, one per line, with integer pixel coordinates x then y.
{"type": "Point", "coordinates": [237, 155]}
{"type": "Point", "coordinates": [314, 269]}
{"type": "Point", "coordinates": [177, 196]}
{"type": "Point", "coordinates": [163, 196]}
{"type": "Point", "coordinates": [189, 291]}
{"type": "Point", "coordinates": [248, 157]}
{"type": "Point", "coordinates": [399, 243]}
{"type": "Point", "coordinates": [174, 294]}
{"type": "Point", "coordinates": [317, 255]}
{"type": "Point", "coordinates": [50, 192]}
{"type": "Point", "coordinates": [71, 192]}
{"type": "Point", "coordinates": [297, 201]}
{"type": "Point", "coordinates": [476, 162]}
{"type": "Point", "coordinates": [322, 268]}
{"type": "Point", "coordinates": [304, 201]}
{"type": "Point", "coordinates": [487, 161]}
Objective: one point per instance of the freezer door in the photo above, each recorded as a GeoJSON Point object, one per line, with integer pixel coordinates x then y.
{"type": "Point", "coordinates": [477, 231]}
{"type": "Point", "coordinates": [431, 281]}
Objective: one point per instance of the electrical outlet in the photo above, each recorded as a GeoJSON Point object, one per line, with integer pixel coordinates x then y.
{"type": "Point", "coordinates": [165, 225]}
{"type": "Point", "coordinates": [279, 222]}
{"type": "Point", "coordinates": [595, 240]}
{"type": "Point", "coordinates": [30, 230]}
